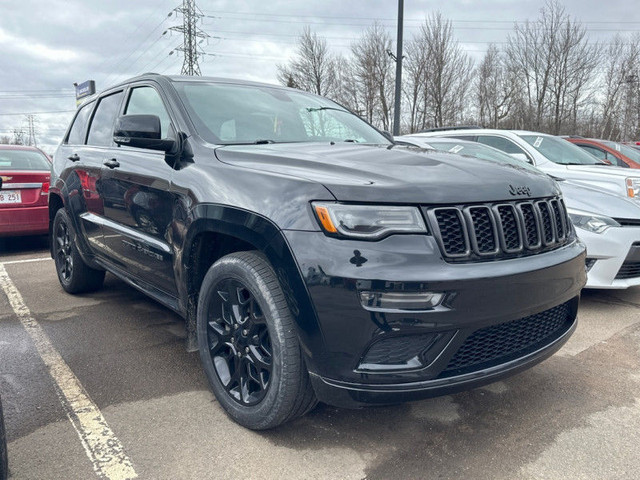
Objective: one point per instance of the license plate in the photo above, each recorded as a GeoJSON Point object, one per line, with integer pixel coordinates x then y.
{"type": "Point", "coordinates": [10, 196]}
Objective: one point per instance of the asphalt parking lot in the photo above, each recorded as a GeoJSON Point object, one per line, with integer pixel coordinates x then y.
{"type": "Point", "coordinates": [576, 415]}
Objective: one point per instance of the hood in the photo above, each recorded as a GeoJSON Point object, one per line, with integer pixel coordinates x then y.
{"type": "Point", "coordinates": [593, 200]}
{"type": "Point", "coordinates": [392, 174]}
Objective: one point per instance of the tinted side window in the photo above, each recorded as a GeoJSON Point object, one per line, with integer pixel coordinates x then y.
{"type": "Point", "coordinates": [101, 130]}
{"type": "Point", "coordinates": [616, 161]}
{"type": "Point", "coordinates": [147, 101]}
{"type": "Point", "coordinates": [76, 134]}
{"type": "Point", "coordinates": [596, 152]}
{"type": "Point", "coordinates": [500, 143]}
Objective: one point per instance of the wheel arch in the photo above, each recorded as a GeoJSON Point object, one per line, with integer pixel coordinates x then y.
{"type": "Point", "coordinates": [217, 230]}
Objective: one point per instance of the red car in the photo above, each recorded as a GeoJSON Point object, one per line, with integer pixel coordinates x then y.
{"type": "Point", "coordinates": [25, 173]}
{"type": "Point", "coordinates": [611, 152]}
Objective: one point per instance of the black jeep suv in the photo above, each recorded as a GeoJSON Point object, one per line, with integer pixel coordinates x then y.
{"type": "Point", "coordinates": [310, 256]}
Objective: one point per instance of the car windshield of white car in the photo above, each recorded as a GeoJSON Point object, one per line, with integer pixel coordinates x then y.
{"type": "Point", "coordinates": [561, 151]}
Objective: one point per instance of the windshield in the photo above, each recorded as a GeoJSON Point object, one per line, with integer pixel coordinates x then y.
{"type": "Point", "coordinates": [481, 151]}
{"type": "Point", "coordinates": [243, 114]}
{"type": "Point", "coordinates": [628, 152]}
{"type": "Point", "coordinates": [23, 160]}
{"type": "Point", "coordinates": [560, 151]}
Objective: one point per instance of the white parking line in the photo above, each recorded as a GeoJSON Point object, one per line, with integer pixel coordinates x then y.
{"type": "Point", "coordinates": [101, 445]}
{"type": "Point", "coordinates": [26, 260]}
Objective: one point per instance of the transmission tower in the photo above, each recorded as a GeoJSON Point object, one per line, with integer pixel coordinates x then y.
{"type": "Point", "coordinates": [192, 37]}
{"type": "Point", "coordinates": [31, 139]}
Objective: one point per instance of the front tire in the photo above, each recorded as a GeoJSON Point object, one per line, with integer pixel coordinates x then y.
{"type": "Point", "coordinates": [248, 344]}
{"type": "Point", "coordinates": [75, 276]}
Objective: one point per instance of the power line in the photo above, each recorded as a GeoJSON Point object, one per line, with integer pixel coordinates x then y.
{"type": "Point", "coordinates": [341, 17]}
{"type": "Point", "coordinates": [114, 67]}
{"type": "Point", "coordinates": [346, 24]}
{"type": "Point", "coordinates": [37, 95]}
{"type": "Point", "coordinates": [38, 113]}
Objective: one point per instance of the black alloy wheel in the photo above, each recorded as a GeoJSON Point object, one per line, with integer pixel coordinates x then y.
{"type": "Point", "coordinates": [62, 248]}
{"type": "Point", "coordinates": [248, 343]}
{"type": "Point", "coordinates": [239, 342]}
{"type": "Point", "coordinates": [74, 274]}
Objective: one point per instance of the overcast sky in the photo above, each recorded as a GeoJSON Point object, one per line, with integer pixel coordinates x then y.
{"type": "Point", "coordinates": [47, 45]}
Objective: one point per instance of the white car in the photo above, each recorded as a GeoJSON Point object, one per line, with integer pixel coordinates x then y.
{"type": "Point", "coordinates": [553, 155]}
{"type": "Point", "coordinates": [607, 223]}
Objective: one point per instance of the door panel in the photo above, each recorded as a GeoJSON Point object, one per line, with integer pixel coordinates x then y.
{"type": "Point", "coordinates": [137, 215]}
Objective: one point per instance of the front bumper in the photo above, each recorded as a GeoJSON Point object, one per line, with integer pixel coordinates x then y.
{"type": "Point", "coordinates": [477, 296]}
{"type": "Point", "coordinates": [609, 251]}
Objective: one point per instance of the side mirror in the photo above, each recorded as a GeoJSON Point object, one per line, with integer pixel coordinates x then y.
{"type": "Point", "coordinates": [522, 157]}
{"type": "Point", "coordinates": [141, 131]}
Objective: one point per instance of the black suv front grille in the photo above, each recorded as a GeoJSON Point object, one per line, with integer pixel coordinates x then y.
{"type": "Point", "coordinates": [501, 230]}
{"type": "Point", "coordinates": [497, 344]}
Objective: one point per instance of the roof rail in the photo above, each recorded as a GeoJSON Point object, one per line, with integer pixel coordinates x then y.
{"type": "Point", "coordinates": [440, 129]}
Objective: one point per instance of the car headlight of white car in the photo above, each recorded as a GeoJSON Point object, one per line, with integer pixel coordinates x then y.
{"type": "Point", "coordinates": [591, 222]}
{"type": "Point", "coordinates": [633, 188]}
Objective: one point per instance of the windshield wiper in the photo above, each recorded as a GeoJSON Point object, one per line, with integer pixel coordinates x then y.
{"type": "Point", "coordinates": [319, 109]}
{"type": "Point", "coordinates": [263, 141]}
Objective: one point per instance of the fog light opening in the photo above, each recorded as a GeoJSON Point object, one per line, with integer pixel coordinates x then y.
{"type": "Point", "coordinates": [400, 301]}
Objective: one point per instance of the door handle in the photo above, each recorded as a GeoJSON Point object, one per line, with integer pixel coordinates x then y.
{"type": "Point", "coordinates": [74, 157]}
{"type": "Point", "coordinates": [111, 163]}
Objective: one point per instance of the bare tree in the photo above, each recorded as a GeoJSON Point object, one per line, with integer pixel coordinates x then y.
{"type": "Point", "coordinates": [372, 69]}
{"type": "Point", "coordinates": [445, 74]}
{"type": "Point", "coordinates": [573, 69]}
{"type": "Point", "coordinates": [415, 68]}
{"type": "Point", "coordinates": [495, 88]}
{"type": "Point", "coordinates": [19, 136]}
{"type": "Point", "coordinates": [314, 69]}
{"type": "Point", "coordinates": [622, 64]}
{"type": "Point", "coordinates": [346, 90]}
{"type": "Point", "coordinates": [556, 63]}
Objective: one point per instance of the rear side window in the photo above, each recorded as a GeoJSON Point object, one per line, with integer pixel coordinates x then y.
{"type": "Point", "coordinates": [23, 160]}
{"type": "Point", "coordinates": [500, 143]}
{"type": "Point", "coordinates": [76, 134]}
{"type": "Point", "coordinates": [101, 129]}
{"type": "Point", "coordinates": [602, 155]}
{"type": "Point", "coordinates": [147, 101]}
{"type": "Point", "coordinates": [470, 138]}
{"type": "Point", "coordinates": [596, 152]}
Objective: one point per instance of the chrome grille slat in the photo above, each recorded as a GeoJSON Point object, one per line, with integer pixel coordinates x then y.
{"type": "Point", "coordinates": [501, 230]}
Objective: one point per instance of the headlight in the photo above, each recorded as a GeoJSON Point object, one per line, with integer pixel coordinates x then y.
{"type": "Point", "coordinates": [590, 221]}
{"type": "Point", "coordinates": [368, 222]}
{"type": "Point", "coordinates": [633, 187]}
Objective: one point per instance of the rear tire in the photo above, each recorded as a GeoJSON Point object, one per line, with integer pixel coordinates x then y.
{"type": "Point", "coordinates": [75, 276]}
{"type": "Point", "coordinates": [248, 343]}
